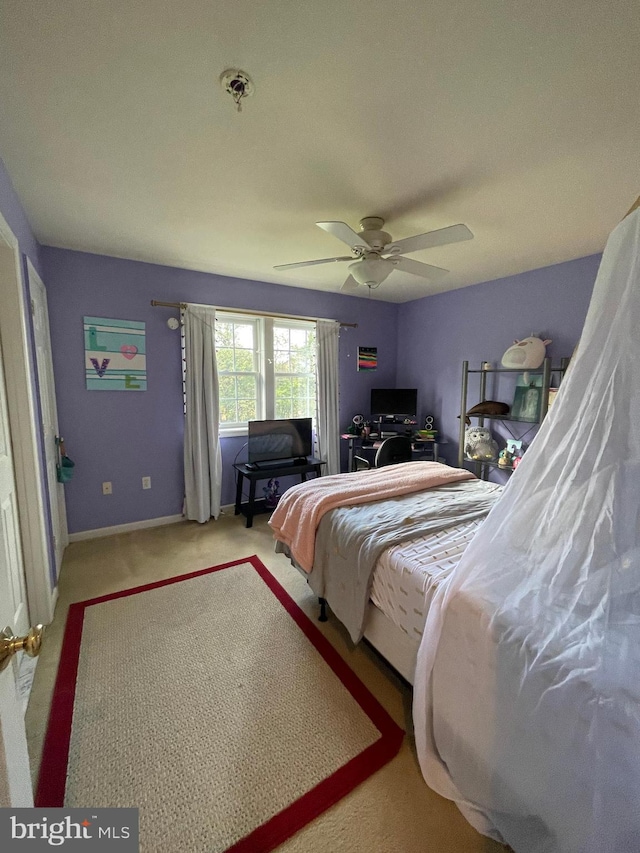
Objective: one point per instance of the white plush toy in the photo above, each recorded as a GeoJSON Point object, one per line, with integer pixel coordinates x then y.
{"type": "Point", "coordinates": [528, 353]}
{"type": "Point", "coordinates": [478, 444]}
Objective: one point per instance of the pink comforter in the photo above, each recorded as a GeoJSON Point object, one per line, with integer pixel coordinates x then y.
{"type": "Point", "coordinates": [301, 508]}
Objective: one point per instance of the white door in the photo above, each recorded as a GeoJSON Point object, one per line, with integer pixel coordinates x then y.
{"type": "Point", "coordinates": [15, 776]}
{"type": "Point", "coordinates": [42, 339]}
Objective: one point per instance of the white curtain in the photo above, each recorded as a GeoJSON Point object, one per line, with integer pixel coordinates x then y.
{"type": "Point", "coordinates": [327, 419]}
{"type": "Point", "coordinates": [202, 456]}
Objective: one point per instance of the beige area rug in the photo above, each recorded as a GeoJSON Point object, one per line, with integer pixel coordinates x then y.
{"type": "Point", "coordinates": [213, 704]}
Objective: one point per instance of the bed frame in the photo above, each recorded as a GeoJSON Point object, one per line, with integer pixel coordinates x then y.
{"type": "Point", "coordinates": [397, 648]}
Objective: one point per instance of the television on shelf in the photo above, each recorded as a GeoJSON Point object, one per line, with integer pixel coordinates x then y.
{"type": "Point", "coordinates": [279, 441]}
{"type": "Point", "coordinates": [399, 405]}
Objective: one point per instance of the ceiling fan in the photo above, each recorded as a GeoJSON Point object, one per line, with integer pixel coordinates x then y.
{"type": "Point", "coordinates": [375, 255]}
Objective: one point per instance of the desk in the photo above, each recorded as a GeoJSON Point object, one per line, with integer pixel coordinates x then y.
{"type": "Point", "coordinates": [427, 450]}
{"type": "Point", "coordinates": [283, 469]}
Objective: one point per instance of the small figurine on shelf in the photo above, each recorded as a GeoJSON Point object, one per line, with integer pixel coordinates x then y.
{"type": "Point", "coordinates": [505, 459]}
{"type": "Point", "coordinates": [271, 495]}
{"type": "Point", "coordinates": [514, 446]}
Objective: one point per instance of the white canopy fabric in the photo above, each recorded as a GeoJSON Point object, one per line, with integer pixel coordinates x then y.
{"type": "Point", "coordinates": [527, 688]}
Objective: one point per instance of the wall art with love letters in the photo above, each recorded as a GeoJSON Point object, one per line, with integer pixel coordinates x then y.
{"type": "Point", "coordinates": [114, 355]}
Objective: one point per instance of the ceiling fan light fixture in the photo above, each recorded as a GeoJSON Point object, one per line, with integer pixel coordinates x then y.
{"type": "Point", "coordinates": [370, 271]}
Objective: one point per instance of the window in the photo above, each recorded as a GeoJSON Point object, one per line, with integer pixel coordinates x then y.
{"type": "Point", "coordinates": [238, 357]}
{"type": "Point", "coordinates": [266, 368]}
{"type": "Point", "coordinates": [294, 360]}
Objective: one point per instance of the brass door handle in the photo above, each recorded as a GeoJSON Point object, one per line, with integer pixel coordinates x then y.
{"type": "Point", "coordinates": [9, 644]}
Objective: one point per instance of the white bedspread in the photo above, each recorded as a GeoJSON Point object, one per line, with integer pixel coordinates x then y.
{"type": "Point", "coordinates": [406, 575]}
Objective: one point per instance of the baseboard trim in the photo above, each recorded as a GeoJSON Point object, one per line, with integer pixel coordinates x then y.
{"type": "Point", "coordinates": [99, 532]}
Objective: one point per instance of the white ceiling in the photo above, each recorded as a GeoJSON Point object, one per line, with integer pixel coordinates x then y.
{"type": "Point", "coordinates": [520, 119]}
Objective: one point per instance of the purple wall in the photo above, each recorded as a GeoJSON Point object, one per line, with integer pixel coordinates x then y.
{"type": "Point", "coordinates": [478, 323]}
{"type": "Point", "coordinates": [123, 436]}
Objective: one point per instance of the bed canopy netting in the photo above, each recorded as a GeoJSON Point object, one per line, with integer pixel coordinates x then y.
{"type": "Point", "coordinates": [537, 735]}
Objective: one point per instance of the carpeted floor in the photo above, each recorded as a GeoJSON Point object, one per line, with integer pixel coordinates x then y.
{"type": "Point", "coordinates": [391, 812]}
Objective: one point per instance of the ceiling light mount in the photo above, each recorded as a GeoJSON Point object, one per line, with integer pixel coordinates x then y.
{"type": "Point", "coordinates": [238, 84]}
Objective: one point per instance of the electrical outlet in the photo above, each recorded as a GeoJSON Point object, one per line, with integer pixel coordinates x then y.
{"type": "Point", "coordinates": [106, 488]}
{"type": "Point", "coordinates": [146, 482]}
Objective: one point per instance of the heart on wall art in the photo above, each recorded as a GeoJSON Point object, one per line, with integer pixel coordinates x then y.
{"type": "Point", "coordinates": [129, 351]}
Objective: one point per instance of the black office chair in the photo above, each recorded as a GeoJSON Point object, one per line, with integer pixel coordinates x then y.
{"type": "Point", "coordinates": [396, 448]}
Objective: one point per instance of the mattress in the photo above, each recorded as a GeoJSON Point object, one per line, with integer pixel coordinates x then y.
{"type": "Point", "coordinates": [407, 575]}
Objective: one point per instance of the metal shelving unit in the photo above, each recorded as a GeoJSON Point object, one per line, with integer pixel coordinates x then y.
{"type": "Point", "coordinates": [546, 370]}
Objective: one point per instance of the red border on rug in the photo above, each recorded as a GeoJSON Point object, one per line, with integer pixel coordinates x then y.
{"type": "Point", "coordinates": [53, 768]}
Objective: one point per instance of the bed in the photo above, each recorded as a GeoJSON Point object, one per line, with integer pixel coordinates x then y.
{"type": "Point", "coordinates": [526, 700]}
{"type": "Point", "coordinates": [377, 554]}
{"type": "Point", "coordinates": [524, 756]}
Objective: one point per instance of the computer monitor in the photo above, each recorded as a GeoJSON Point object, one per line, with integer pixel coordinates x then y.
{"type": "Point", "coordinates": [398, 403]}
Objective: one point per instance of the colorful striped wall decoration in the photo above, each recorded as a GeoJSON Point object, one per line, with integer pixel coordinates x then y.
{"type": "Point", "coordinates": [367, 358]}
{"type": "Point", "coordinates": [114, 355]}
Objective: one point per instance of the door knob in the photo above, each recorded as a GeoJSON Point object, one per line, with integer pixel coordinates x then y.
{"type": "Point", "coordinates": [9, 644]}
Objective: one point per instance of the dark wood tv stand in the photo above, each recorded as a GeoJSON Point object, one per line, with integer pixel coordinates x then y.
{"type": "Point", "coordinates": [284, 469]}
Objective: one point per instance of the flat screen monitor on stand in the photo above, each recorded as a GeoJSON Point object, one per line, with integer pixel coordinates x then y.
{"type": "Point", "coordinates": [273, 443]}
{"type": "Point", "coordinates": [394, 406]}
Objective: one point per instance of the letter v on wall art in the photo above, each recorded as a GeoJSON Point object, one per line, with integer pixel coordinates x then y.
{"type": "Point", "coordinates": [114, 355]}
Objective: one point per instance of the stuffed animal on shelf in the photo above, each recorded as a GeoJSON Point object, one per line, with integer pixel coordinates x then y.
{"type": "Point", "coordinates": [479, 445]}
{"type": "Point", "coordinates": [528, 353]}
{"type": "Point", "coordinates": [487, 407]}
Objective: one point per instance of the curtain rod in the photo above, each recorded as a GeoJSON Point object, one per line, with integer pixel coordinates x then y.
{"type": "Point", "coordinates": [181, 305]}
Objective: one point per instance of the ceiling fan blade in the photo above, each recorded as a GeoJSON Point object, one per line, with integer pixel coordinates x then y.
{"type": "Point", "coordinates": [418, 268]}
{"type": "Point", "coordinates": [441, 237]}
{"type": "Point", "coordinates": [350, 284]}
{"type": "Point", "coordinates": [311, 263]}
{"type": "Point", "coordinates": [343, 232]}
